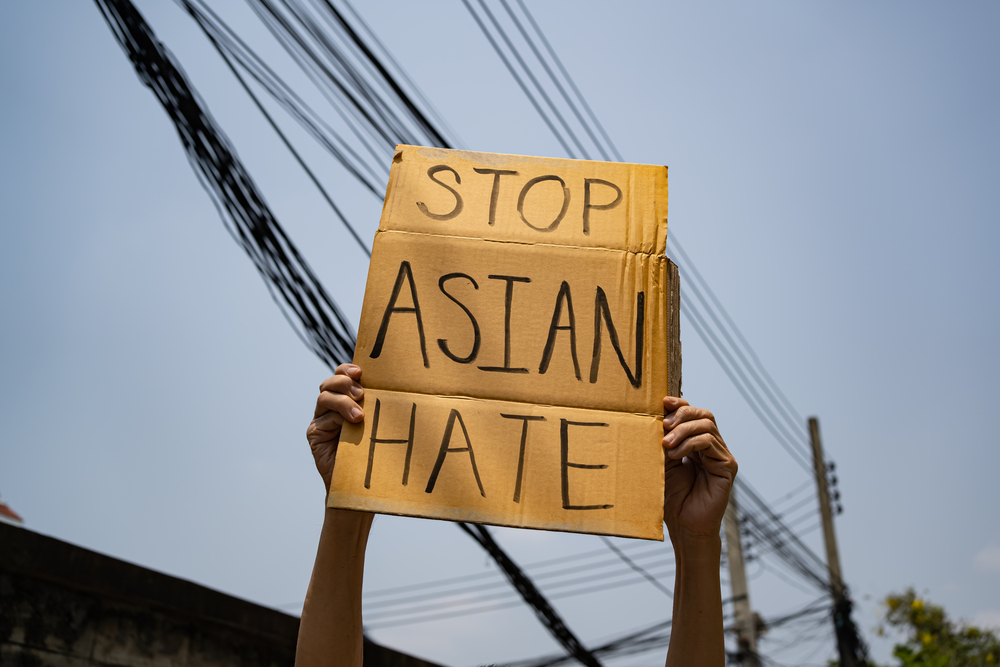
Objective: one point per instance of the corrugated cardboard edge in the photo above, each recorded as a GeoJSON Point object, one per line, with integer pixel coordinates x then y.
{"type": "Point", "coordinates": [382, 506]}
{"type": "Point", "coordinates": [673, 330]}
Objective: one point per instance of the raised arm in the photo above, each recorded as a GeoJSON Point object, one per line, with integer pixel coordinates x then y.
{"type": "Point", "coordinates": [330, 633]}
{"type": "Point", "coordinates": [699, 474]}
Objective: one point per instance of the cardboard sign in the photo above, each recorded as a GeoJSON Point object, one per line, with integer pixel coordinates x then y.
{"type": "Point", "coordinates": [518, 334]}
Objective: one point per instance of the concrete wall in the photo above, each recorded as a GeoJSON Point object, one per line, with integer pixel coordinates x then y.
{"type": "Point", "coordinates": [63, 606]}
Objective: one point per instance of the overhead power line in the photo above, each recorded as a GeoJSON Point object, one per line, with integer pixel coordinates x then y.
{"type": "Point", "coordinates": [461, 596]}
{"type": "Point", "coordinates": [318, 36]}
{"type": "Point", "coordinates": [288, 145]}
{"type": "Point", "coordinates": [521, 67]}
{"type": "Point", "coordinates": [579, 586]}
{"type": "Point", "coordinates": [409, 616]}
{"type": "Point", "coordinates": [770, 532]}
{"type": "Point", "coordinates": [369, 173]}
{"type": "Point", "coordinates": [769, 386]}
{"type": "Point", "coordinates": [638, 568]}
{"type": "Point", "coordinates": [546, 614]}
{"type": "Point", "coordinates": [529, 567]}
{"type": "Point", "coordinates": [807, 485]}
{"type": "Point", "coordinates": [430, 592]}
{"type": "Point", "coordinates": [708, 317]}
{"type": "Point", "coordinates": [377, 115]}
{"type": "Point", "coordinates": [657, 636]}
{"type": "Point", "coordinates": [576, 91]}
{"type": "Point", "coordinates": [311, 312]}
{"type": "Point", "coordinates": [705, 312]}
{"type": "Point", "coordinates": [733, 353]}
{"type": "Point", "coordinates": [320, 325]}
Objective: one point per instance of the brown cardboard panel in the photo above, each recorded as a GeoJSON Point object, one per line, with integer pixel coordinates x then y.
{"type": "Point", "coordinates": [438, 191]}
{"type": "Point", "coordinates": [462, 460]}
{"type": "Point", "coordinates": [463, 343]}
{"type": "Point", "coordinates": [529, 287]}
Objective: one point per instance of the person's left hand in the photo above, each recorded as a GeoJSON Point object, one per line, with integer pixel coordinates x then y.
{"type": "Point", "coordinates": [699, 471]}
{"type": "Point", "coordinates": [337, 403]}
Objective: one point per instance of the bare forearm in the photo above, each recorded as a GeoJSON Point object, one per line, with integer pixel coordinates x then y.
{"type": "Point", "coordinates": [696, 636]}
{"type": "Point", "coordinates": [330, 633]}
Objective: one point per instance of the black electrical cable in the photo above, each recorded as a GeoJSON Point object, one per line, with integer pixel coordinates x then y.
{"type": "Point", "coordinates": [805, 531]}
{"type": "Point", "coordinates": [745, 369]}
{"type": "Point", "coordinates": [630, 637]}
{"type": "Point", "coordinates": [764, 379]}
{"type": "Point", "coordinates": [806, 485]}
{"type": "Point", "coordinates": [380, 119]}
{"type": "Point", "coordinates": [365, 134]}
{"type": "Point", "coordinates": [785, 578]}
{"type": "Point", "coordinates": [774, 419]}
{"type": "Point", "coordinates": [293, 285]}
{"type": "Point", "coordinates": [240, 233]}
{"type": "Point", "coordinates": [694, 317]}
{"type": "Point", "coordinates": [770, 542]}
{"type": "Point", "coordinates": [543, 609]}
{"type": "Point", "coordinates": [225, 38]}
{"type": "Point", "coordinates": [469, 604]}
{"type": "Point", "coordinates": [527, 70]}
{"type": "Point", "coordinates": [638, 568]}
{"type": "Point", "coordinates": [288, 145]}
{"type": "Point", "coordinates": [810, 513]}
{"type": "Point", "coordinates": [371, 603]}
{"type": "Point", "coordinates": [761, 407]}
{"type": "Point", "coordinates": [559, 87]}
{"type": "Point", "coordinates": [794, 507]}
{"type": "Point", "coordinates": [430, 618]}
{"type": "Point", "coordinates": [358, 96]}
{"type": "Point", "coordinates": [517, 78]}
{"type": "Point", "coordinates": [466, 611]}
{"type": "Point", "coordinates": [770, 531]}
{"type": "Point", "coordinates": [347, 68]}
{"type": "Point", "coordinates": [478, 588]}
{"type": "Point", "coordinates": [569, 79]}
{"type": "Point", "coordinates": [412, 109]}
{"type": "Point", "coordinates": [401, 74]}
{"type": "Point", "coordinates": [529, 567]}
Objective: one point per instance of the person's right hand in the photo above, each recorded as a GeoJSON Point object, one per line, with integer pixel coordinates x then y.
{"type": "Point", "coordinates": [699, 471]}
{"type": "Point", "coordinates": [337, 403]}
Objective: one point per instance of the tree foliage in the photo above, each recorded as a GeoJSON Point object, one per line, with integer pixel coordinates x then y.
{"type": "Point", "coordinates": [932, 640]}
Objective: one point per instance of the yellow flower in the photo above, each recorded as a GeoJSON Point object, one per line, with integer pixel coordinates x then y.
{"type": "Point", "coordinates": [917, 604]}
{"type": "Point", "coordinates": [927, 638]}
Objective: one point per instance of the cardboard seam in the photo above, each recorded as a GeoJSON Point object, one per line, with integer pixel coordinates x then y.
{"type": "Point", "coordinates": [524, 243]}
{"type": "Point", "coordinates": [464, 397]}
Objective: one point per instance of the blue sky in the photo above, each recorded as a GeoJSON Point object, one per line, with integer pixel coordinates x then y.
{"type": "Point", "coordinates": [833, 171]}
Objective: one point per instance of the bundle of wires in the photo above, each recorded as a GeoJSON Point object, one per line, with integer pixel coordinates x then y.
{"type": "Point", "coordinates": [312, 313]}
{"type": "Point", "coordinates": [379, 107]}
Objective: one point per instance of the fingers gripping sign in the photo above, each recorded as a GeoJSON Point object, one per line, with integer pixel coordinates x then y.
{"type": "Point", "coordinates": [699, 469]}
{"type": "Point", "coordinates": [338, 402]}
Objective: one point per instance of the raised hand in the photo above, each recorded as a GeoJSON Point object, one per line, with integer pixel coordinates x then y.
{"type": "Point", "coordinates": [699, 471]}
{"type": "Point", "coordinates": [337, 403]}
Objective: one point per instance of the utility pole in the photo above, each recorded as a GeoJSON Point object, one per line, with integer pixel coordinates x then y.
{"type": "Point", "coordinates": [829, 537]}
{"type": "Point", "coordinates": [746, 630]}
{"type": "Point", "coordinates": [849, 645]}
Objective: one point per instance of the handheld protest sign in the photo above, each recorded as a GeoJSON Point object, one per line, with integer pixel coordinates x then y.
{"type": "Point", "coordinates": [518, 334]}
